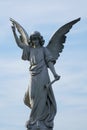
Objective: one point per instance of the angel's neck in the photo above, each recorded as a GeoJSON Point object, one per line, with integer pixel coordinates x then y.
{"type": "Point", "coordinates": [36, 46]}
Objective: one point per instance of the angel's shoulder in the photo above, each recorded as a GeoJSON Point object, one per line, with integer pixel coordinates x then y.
{"type": "Point", "coordinates": [46, 51]}
{"type": "Point", "coordinates": [26, 48]}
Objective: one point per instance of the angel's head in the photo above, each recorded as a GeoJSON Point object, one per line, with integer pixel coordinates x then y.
{"type": "Point", "coordinates": [36, 39]}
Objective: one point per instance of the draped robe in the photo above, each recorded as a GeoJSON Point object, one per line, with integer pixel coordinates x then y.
{"type": "Point", "coordinates": [38, 97]}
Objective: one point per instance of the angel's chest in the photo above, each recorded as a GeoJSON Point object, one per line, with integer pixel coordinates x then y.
{"type": "Point", "coordinates": [36, 54]}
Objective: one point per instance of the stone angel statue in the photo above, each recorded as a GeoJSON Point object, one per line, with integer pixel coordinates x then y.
{"type": "Point", "coordinates": [39, 96]}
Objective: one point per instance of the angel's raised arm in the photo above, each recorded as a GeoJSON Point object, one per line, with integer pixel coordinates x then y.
{"type": "Point", "coordinates": [22, 40]}
{"type": "Point", "coordinates": [17, 39]}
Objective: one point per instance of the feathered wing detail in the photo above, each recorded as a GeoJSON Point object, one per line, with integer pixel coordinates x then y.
{"type": "Point", "coordinates": [56, 43]}
{"type": "Point", "coordinates": [23, 34]}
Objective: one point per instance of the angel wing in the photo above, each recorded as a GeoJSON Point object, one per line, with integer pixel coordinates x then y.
{"type": "Point", "coordinates": [56, 43]}
{"type": "Point", "coordinates": [23, 34]}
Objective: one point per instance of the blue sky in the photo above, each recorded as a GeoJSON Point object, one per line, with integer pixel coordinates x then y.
{"type": "Point", "coordinates": [71, 91]}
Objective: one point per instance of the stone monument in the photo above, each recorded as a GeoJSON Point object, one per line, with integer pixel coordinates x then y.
{"type": "Point", "coordinates": [39, 96]}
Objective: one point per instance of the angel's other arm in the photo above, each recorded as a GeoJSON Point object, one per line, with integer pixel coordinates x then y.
{"type": "Point", "coordinates": [18, 41]}
{"type": "Point", "coordinates": [49, 59]}
{"type": "Point", "coordinates": [51, 67]}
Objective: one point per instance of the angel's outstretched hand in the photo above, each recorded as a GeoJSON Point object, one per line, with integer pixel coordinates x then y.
{"type": "Point", "coordinates": [57, 77]}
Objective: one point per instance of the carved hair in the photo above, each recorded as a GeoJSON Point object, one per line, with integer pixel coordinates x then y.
{"type": "Point", "coordinates": [36, 34]}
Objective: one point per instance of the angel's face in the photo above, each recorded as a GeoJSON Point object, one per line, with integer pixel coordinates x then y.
{"type": "Point", "coordinates": [35, 41]}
